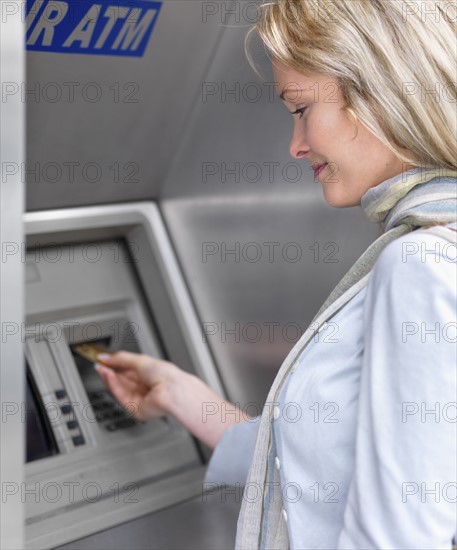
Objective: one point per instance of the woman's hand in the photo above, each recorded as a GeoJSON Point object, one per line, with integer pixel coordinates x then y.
{"type": "Point", "coordinates": [139, 382]}
{"type": "Point", "coordinates": [156, 388]}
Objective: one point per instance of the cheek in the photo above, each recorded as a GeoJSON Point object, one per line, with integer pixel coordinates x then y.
{"type": "Point", "coordinates": [332, 128]}
{"type": "Point", "coordinates": [371, 149]}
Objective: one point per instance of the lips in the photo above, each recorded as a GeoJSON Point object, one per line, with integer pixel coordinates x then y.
{"type": "Point", "coordinates": [318, 169]}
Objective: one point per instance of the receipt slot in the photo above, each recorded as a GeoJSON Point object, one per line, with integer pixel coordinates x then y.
{"type": "Point", "coordinates": [108, 276]}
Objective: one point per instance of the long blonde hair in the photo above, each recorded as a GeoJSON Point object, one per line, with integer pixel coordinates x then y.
{"type": "Point", "coordinates": [389, 57]}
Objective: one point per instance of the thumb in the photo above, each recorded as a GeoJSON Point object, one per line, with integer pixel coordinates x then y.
{"type": "Point", "coordinates": [120, 360]}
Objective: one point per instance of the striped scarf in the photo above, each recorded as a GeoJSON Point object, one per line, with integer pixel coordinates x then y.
{"type": "Point", "coordinates": [417, 198]}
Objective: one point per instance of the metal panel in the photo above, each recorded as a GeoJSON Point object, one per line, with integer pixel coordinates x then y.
{"type": "Point", "coordinates": [12, 378]}
{"type": "Point", "coordinates": [204, 523]}
{"type": "Point", "coordinates": [103, 129]}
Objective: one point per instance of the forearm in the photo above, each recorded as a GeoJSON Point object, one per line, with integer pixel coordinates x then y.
{"type": "Point", "coordinates": [201, 410]}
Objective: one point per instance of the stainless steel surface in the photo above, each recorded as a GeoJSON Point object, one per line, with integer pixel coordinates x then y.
{"type": "Point", "coordinates": [12, 154]}
{"type": "Point", "coordinates": [196, 524]}
{"type": "Point", "coordinates": [102, 129]}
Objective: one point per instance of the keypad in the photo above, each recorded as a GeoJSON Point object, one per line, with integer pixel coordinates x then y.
{"type": "Point", "coordinates": [109, 413]}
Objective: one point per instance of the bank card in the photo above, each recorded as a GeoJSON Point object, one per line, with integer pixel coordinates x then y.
{"type": "Point", "coordinates": [89, 351]}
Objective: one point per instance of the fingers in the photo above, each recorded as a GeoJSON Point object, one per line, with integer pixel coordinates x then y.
{"type": "Point", "coordinates": [120, 360]}
{"type": "Point", "coordinates": [130, 398]}
{"type": "Point", "coordinates": [114, 385]}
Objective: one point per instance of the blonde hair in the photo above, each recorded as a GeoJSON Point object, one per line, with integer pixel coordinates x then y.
{"type": "Point", "coordinates": [386, 55]}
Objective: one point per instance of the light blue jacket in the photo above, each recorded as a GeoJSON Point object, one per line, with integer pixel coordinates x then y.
{"type": "Point", "coordinates": [365, 435]}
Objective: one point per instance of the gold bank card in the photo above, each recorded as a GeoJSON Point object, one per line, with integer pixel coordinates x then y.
{"type": "Point", "coordinates": [89, 351]}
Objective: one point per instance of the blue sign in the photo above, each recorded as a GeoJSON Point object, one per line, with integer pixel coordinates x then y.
{"type": "Point", "coordinates": [121, 27]}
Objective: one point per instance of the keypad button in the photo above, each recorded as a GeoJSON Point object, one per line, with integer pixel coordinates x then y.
{"type": "Point", "coordinates": [78, 440]}
{"type": "Point", "coordinates": [72, 424]}
{"type": "Point", "coordinates": [61, 394]}
{"type": "Point", "coordinates": [126, 423]}
{"type": "Point", "coordinates": [66, 408]}
{"type": "Point", "coordinates": [96, 395]}
{"type": "Point", "coordinates": [111, 427]}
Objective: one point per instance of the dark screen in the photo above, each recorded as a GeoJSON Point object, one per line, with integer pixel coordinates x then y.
{"type": "Point", "coordinates": [40, 442]}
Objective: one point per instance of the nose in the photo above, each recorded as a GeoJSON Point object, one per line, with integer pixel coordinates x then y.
{"type": "Point", "coordinates": [298, 147]}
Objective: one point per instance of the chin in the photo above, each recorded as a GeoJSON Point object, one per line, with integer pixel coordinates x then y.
{"type": "Point", "coordinates": [337, 201]}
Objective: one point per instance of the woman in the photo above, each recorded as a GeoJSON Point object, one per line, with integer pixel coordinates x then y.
{"type": "Point", "coordinates": [376, 469]}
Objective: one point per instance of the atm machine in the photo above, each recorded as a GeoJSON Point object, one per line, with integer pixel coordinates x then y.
{"type": "Point", "coordinates": [140, 174]}
{"type": "Point", "coordinates": [107, 275]}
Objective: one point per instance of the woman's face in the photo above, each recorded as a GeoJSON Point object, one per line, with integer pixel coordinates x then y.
{"type": "Point", "coordinates": [346, 157]}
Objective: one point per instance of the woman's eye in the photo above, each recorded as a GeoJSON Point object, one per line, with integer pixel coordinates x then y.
{"type": "Point", "coordinates": [299, 112]}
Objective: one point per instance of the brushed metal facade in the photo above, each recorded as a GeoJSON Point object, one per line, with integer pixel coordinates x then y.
{"type": "Point", "coordinates": [12, 379]}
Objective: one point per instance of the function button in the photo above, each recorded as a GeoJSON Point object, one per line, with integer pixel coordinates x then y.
{"type": "Point", "coordinates": [61, 394]}
{"type": "Point", "coordinates": [102, 405]}
{"type": "Point", "coordinates": [105, 415]}
{"type": "Point", "coordinates": [126, 423]}
{"type": "Point", "coordinates": [111, 427]}
{"type": "Point", "coordinates": [78, 440]}
{"type": "Point", "coordinates": [121, 424]}
{"type": "Point", "coordinates": [72, 424]}
{"type": "Point", "coordinates": [94, 395]}
{"type": "Point", "coordinates": [66, 408]}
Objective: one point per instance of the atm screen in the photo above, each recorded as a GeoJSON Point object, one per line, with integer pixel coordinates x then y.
{"type": "Point", "coordinates": [40, 442]}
